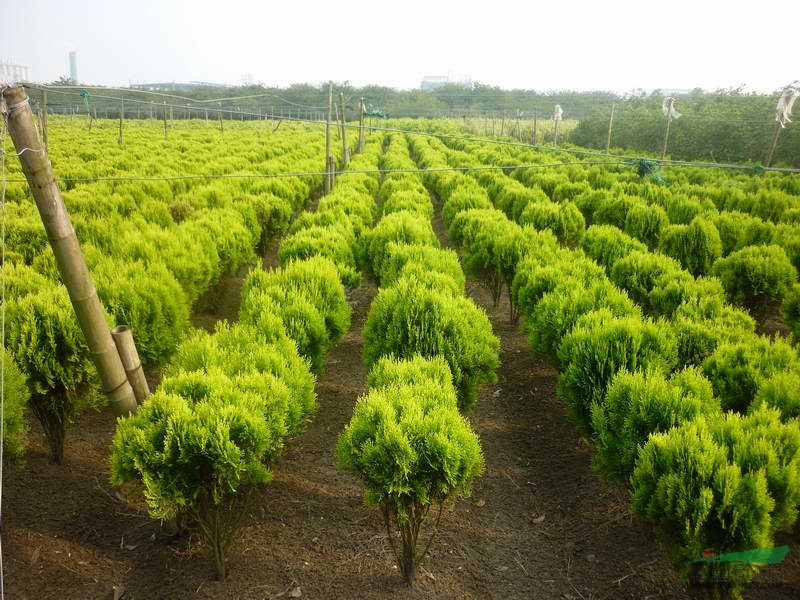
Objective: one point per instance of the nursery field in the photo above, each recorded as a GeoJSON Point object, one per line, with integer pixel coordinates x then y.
{"type": "Point", "coordinates": [470, 370]}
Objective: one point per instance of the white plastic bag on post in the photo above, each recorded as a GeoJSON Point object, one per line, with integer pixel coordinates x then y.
{"type": "Point", "coordinates": [558, 113]}
{"type": "Point", "coordinates": [784, 109]}
{"type": "Point", "coordinates": [668, 108]}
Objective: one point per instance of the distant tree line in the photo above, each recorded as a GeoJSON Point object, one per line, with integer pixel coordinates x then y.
{"type": "Point", "coordinates": [723, 126]}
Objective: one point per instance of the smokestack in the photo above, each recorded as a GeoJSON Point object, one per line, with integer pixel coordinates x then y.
{"type": "Point", "coordinates": [73, 66]}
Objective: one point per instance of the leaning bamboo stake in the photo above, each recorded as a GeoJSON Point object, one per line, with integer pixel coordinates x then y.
{"type": "Point", "coordinates": [71, 264]}
{"type": "Point", "coordinates": [123, 340]}
{"type": "Point", "coordinates": [610, 124]}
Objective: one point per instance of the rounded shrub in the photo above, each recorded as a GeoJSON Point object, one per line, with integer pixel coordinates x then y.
{"type": "Point", "coordinates": [599, 346]}
{"type": "Point", "coordinates": [409, 319]}
{"type": "Point", "coordinates": [638, 404]}
{"type": "Point", "coordinates": [756, 275]}
{"type": "Point", "coordinates": [402, 227]}
{"type": "Point", "coordinates": [413, 452]}
{"type": "Point", "coordinates": [781, 391]}
{"type": "Point", "coordinates": [645, 223]}
{"type": "Point", "coordinates": [696, 246]}
{"type": "Point", "coordinates": [606, 245]}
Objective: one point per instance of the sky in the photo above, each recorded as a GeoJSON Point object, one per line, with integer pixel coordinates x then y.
{"type": "Point", "coordinates": [547, 46]}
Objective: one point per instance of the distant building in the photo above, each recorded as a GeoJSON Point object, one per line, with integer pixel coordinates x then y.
{"type": "Point", "coordinates": [73, 66]}
{"type": "Point", "coordinates": [10, 73]}
{"type": "Point", "coordinates": [432, 82]}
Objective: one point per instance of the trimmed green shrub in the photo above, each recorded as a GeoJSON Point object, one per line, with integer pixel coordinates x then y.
{"type": "Point", "coordinates": [564, 220]}
{"type": "Point", "coordinates": [738, 230]}
{"type": "Point", "coordinates": [606, 244]}
{"type": "Point", "coordinates": [330, 242]}
{"type": "Point", "coordinates": [413, 452]}
{"type": "Point", "coordinates": [558, 310]}
{"type": "Point", "coordinates": [781, 391]}
{"type": "Point", "coordinates": [535, 277]}
{"type": "Point", "coordinates": [409, 319]}
{"type": "Point", "coordinates": [756, 275]}
{"type": "Point", "coordinates": [48, 346]}
{"type": "Point", "coordinates": [645, 223]}
{"type": "Point", "coordinates": [761, 444]}
{"type": "Point", "coordinates": [696, 246]}
{"type": "Point", "coordinates": [201, 458]}
{"type": "Point", "coordinates": [599, 346]}
{"type": "Point", "coordinates": [146, 298]}
{"type": "Point", "coordinates": [417, 370]}
{"type": "Point", "coordinates": [791, 311]}
{"type": "Point", "coordinates": [16, 395]}
{"type": "Point", "coordinates": [638, 404]}
{"type": "Point", "coordinates": [402, 227]}
{"type": "Point", "coordinates": [464, 199]}
{"type": "Point", "coordinates": [614, 211]}
{"type": "Point", "coordinates": [416, 201]}
{"type": "Point", "coordinates": [647, 277]}
{"type": "Point", "coordinates": [684, 481]}
{"type": "Point", "coordinates": [699, 331]}
{"type": "Point", "coordinates": [401, 257]}
{"type": "Point", "coordinates": [737, 369]}
{"type": "Point", "coordinates": [241, 348]}
{"type": "Point", "coordinates": [317, 280]}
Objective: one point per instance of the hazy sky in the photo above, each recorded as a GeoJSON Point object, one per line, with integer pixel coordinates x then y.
{"type": "Point", "coordinates": [548, 45]}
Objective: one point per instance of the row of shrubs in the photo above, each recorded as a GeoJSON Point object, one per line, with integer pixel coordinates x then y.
{"type": "Point", "coordinates": [755, 260]}
{"type": "Point", "coordinates": [708, 439]}
{"type": "Point", "coordinates": [203, 443]}
{"type": "Point", "coordinates": [426, 348]}
{"type": "Point", "coordinates": [149, 263]}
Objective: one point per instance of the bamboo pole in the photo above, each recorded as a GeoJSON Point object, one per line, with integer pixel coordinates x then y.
{"type": "Point", "coordinates": [328, 170]}
{"type": "Point", "coordinates": [123, 340]}
{"type": "Point", "coordinates": [219, 116]}
{"type": "Point", "coordinates": [361, 138]}
{"type": "Point", "coordinates": [773, 144]}
{"type": "Point", "coordinates": [345, 149]}
{"type": "Point", "coordinates": [535, 123]}
{"type": "Point", "coordinates": [610, 124]}
{"type": "Point", "coordinates": [71, 264]}
{"type": "Point", "coordinates": [165, 120]}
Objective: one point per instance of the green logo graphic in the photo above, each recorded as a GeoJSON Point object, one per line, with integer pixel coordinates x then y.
{"type": "Point", "coordinates": [759, 556]}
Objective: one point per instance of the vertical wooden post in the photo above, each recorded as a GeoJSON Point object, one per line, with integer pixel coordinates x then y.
{"type": "Point", "coordinates": [328, 170]}
{"type": "Point", "coordinates": [535, 123]}
{"type": "Point", "coordinates": [71, 264]}
{"type": "Point", "coordinates": [121, 118]}
{"type": "Point", "coordinates": [519, 127]}
{"type": "Point", "coordinates": [165, 120]}
{"type": "Point", "coordinates": [361, 138]}
{"type": "Point", "coordinates": [45, 135]}
{"type": "Point", "coordinates": [502, 123]}
{"type": "Point", "coordinates": [555, 132]}
{"type": "Point", "coordinates": [219, 116]}
{"type": "Point", "coordinates": [345, 149]}
{"type": "Point", "coordinates": [610, 124]}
